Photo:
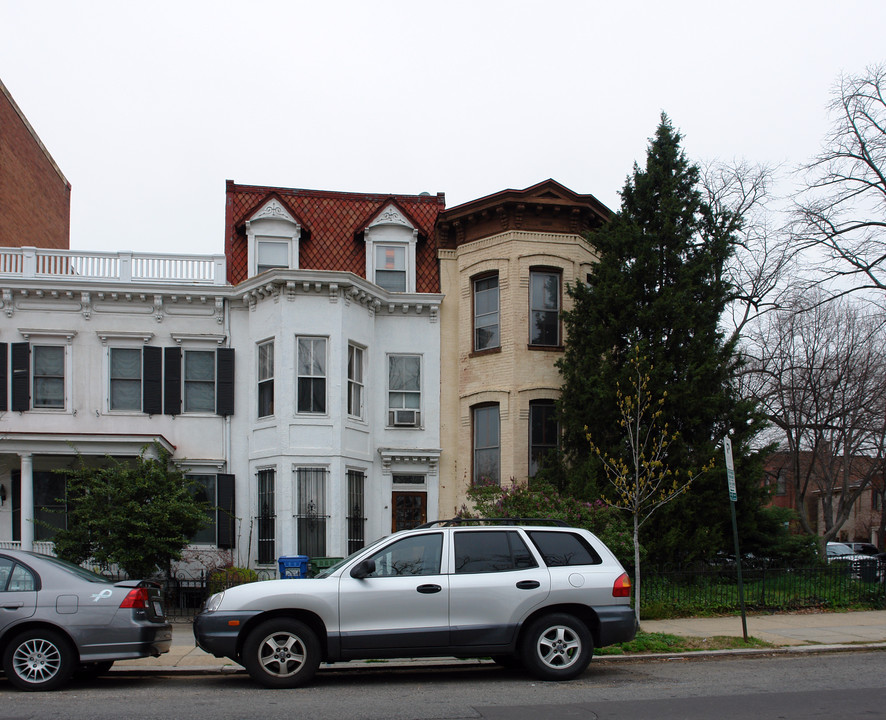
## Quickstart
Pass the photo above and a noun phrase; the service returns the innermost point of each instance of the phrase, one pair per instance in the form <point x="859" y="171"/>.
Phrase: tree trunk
<point x="636" y="568"/>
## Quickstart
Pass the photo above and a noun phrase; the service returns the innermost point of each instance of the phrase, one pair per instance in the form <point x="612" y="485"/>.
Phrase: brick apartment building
<point x="35" y="197"/>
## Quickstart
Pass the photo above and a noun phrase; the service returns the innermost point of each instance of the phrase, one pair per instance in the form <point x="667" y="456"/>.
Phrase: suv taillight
<point x="622" y="586"/>
<point x="136" y="599"/>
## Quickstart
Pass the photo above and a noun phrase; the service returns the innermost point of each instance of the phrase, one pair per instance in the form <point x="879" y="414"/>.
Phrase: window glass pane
<point x="267" y="518"/>
<point x="390" y="267"/>
<point x="355" y="381"/>
<point x="405" y="372"/>
<point x="312" y="516"/>
<point x="417" y="555"/>
<point x="543" y="432"/>
<point x="49" y="392"/>
<point x="486" y="445"/>
<point x="272" y="254"/>
<point x="544" y="305"/>
<point x="545" y="291"/>
<point x="126" y="384"/>
<point x="49" y="376"/>
<point x="266" y="379"/>
<point x="199" y="365"/>
<point x="266" y="361"/>
<point x="204" y="491"/>
<point x="21" y="580"/>
<point x="491" y="551"/>
<point x="560" y="549"/>
<point x="390" y="257"/>
<point x="404" y="382"/>
<point x="486" y="328"/>
<point x="311" y="356"/>
<point x="199" y="381"/>
<point x="49" y="360"/>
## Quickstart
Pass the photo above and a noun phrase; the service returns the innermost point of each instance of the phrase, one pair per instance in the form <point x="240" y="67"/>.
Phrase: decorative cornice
<point x="198" y="337"/>
<point x="28" y="333"/>
<point x="429" y="459"/>
<point x="104" y="335"/>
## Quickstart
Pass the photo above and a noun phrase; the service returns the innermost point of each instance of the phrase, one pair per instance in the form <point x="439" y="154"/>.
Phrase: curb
<point x="232" y="668"/>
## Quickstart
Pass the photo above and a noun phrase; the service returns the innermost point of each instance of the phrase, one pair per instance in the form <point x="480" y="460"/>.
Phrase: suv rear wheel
<point x="282" y="653"/>
<point x="557" y="647"/>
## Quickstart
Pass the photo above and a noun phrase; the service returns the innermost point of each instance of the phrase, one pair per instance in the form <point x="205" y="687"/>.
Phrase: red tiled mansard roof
<point x="332" y="228"/>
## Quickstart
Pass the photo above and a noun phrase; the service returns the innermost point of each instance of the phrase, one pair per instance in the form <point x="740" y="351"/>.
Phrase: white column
<point x="27" y="501"/>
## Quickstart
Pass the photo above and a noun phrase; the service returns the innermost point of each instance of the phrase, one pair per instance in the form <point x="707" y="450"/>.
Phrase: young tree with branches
<point x="640" y="476"/>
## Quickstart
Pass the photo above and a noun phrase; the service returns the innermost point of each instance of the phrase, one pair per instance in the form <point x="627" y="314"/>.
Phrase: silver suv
<point x="541" y="595"/>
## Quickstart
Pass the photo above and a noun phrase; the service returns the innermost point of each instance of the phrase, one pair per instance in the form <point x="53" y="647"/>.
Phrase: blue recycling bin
<point x="293" y="566"/>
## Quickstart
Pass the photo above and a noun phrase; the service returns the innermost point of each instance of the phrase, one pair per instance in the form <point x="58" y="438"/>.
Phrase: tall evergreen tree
<point x="659" y="289"/>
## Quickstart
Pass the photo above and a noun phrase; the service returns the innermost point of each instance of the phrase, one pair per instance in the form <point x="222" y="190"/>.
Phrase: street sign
<point x="730" y="469"/>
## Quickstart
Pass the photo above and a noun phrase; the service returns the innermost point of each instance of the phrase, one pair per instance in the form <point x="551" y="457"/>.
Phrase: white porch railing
<point x="123" y="267"/>
<point x="42" y="547"/>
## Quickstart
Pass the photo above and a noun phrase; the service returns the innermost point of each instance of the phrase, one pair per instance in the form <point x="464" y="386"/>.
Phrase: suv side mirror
<point x="363" y="569"/>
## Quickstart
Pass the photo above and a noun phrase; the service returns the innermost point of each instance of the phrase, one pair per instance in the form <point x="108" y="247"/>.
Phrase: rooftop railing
<point x="122" y="267"/>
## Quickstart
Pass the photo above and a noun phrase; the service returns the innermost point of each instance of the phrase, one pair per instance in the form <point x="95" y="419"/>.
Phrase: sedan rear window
<point x="561" y="548"/>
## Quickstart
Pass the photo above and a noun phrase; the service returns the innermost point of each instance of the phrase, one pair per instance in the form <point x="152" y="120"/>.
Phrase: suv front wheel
<point x="282" y="653"/>
<point x="557" y="647"/>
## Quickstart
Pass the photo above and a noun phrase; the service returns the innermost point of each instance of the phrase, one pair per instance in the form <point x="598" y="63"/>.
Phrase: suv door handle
<point x="528" y="584"/>
<point x="13" y="606"/>
<point x="429" y="589"/>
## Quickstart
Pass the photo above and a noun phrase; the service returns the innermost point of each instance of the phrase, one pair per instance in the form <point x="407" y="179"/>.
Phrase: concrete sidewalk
<point x="789" y="631"/>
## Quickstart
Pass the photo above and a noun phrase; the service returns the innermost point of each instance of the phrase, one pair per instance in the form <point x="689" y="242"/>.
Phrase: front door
<point x="410" y="510"/>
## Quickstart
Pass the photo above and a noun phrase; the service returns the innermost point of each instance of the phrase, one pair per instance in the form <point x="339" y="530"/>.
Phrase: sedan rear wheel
<point x="39" y="660"/>
<point x="282" y="653"/>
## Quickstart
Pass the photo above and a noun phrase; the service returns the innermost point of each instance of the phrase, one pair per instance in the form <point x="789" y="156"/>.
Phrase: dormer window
<point x="273" y="235"/>
<point x="390" y="251"/>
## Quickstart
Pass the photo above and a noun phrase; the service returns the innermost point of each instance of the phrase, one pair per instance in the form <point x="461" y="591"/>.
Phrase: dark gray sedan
<point x="57" y="619"/>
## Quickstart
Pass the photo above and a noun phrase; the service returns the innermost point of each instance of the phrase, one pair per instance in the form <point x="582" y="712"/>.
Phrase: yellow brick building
<point x="505" y="262"/>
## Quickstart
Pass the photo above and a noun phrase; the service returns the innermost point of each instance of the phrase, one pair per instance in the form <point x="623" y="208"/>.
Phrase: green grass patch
<point x="657" y="643"/>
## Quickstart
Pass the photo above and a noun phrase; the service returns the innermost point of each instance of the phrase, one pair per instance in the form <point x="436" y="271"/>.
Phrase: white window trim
<point x="361" y="414"/>
<point x="421" y="391"/>
<point x="391" y="228"/>
<point x="258" y="379"/>
<point x="64" y="339"/>
<point x="310" y="413"/>
<point x="272" y="222"/>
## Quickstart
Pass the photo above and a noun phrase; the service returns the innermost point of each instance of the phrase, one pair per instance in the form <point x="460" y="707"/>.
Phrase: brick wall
<point x="35" y="198"/>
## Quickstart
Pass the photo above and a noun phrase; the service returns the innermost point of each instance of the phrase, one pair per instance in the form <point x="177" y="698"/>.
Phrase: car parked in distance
<point x="864" y="548"/>
<point x="522" y="592"/>
<point x="57" y="619"/>
<point x="863" y="567"/>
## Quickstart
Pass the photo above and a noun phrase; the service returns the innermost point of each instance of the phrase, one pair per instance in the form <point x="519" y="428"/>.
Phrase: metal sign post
<point x="733" y="497"/>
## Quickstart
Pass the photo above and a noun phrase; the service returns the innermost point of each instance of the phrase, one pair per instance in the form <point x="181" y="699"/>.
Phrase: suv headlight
<point x="213" y="602"/>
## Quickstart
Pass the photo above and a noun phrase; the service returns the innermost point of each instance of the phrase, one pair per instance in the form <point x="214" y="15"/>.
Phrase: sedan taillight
<point x="622" y="586"/>
<point x="136" y="599"/>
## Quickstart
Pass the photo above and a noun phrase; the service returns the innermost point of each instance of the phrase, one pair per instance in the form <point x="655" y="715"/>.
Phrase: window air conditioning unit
<point x="405" y="418"/>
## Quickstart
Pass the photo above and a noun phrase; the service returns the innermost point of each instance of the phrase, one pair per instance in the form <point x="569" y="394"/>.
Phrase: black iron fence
<point x="675" y="593"/>
<point x="665" y="593"/>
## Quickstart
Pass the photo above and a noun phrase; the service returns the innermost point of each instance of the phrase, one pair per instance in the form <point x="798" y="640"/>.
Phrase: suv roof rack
<point x="495" y="521"/>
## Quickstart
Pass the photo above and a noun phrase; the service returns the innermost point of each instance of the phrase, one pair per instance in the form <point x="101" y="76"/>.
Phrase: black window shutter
<point x="21" y="377"/>
<point x="152" y="380"/>
<point x="4" y="376"/>
<point x="172" y="385"/>
<point x="224" y="519"/>
<point x="224" y="381"/>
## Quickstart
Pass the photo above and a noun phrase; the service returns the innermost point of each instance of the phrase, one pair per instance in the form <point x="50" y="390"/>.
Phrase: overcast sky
<point x="149" y="107"/>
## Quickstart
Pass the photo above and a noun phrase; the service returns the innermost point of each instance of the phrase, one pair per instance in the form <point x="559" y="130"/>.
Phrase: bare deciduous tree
<point x="760" y="267"/>
<point x="819" y="373"/>
<point x="841" y="212"/>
